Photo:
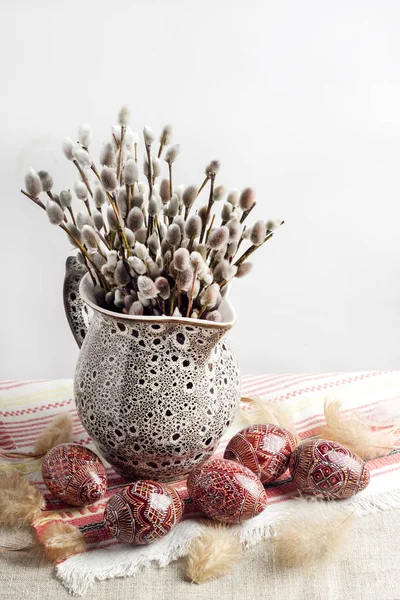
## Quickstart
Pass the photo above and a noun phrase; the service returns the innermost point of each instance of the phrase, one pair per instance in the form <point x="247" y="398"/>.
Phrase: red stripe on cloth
<point x="266" y="387"/>
<point x="27" y="411"/>
<point x="41" y="419"/>
<point x="20" y="384"/>
<point x="306" y="390"/>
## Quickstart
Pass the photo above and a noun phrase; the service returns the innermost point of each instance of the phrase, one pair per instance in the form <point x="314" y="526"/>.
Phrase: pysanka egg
<point x="328" y="469"/>
<point x="74" y="474"/>
<point x="264" y="449"/>
<point x="143" y="512"/>
<point x="226" y="491"/>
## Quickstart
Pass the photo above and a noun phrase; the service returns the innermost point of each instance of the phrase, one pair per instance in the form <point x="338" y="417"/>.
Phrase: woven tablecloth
<point x="26" y="408"/>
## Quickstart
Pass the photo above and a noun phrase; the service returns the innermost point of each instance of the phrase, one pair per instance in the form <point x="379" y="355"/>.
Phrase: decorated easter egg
<point x="226" y="491"/>
<point x="74" y="474"/>
<point x="328" y="469"/>
<point x="143" y="512"/>
<point x="264" y="449"/>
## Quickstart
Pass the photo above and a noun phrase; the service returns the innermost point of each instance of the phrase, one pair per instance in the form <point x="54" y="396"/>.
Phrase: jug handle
<point x="75" y="309"/>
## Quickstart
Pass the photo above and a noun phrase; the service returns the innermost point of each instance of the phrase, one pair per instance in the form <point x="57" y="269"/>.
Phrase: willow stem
<point x="149" y="173"/>
<point x="209" y="206"/>
<point x="128" y="199"/>
<point x="51" y="196"/>
<point x="89" y="271"/>
<point x="249" y="252"/>
<point x="116" y="141"/>
<point x="84" y="178"/>
<point x="190" y="303"/>
<point x="149" y="227"/>
<point x="172" y="304"/>
<point x="120" y="152"/>
<point x="170" y="178"/>
<point x="203" y="185"/>
<point x="95" y="171"/>
<point x="85" y="254"/>
<point x="121" y="232"/>
<point x="210" y="228"/>
<point x="88" y="207"/>
<point x="71" y="212"/>
<point x="103" y="239"/>
<point x="246" y="213"/>
<point x="135" y="151"/>
<point x="35" y="200"/>
<point x="202" y="310"/>
<point x="162" y="144"/>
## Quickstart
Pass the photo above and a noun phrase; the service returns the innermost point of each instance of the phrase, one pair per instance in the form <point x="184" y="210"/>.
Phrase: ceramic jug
<point x="154" y="393"/>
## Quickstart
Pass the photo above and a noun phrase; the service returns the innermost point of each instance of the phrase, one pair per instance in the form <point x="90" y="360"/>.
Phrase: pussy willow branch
<point x="249" y="252"/>
<point x="35" y="200"/>
<point x="170" y="178"/>
<point x="121" y="232"/>
<point x="162" y="144"/>
<point x="71" y="212"/>
<point x="203" y="185"/>
<point x="115" y="208"/>
<point x="121" y="147"/>
<point x="84" y="179"/>
<point x="150" y="180"/>
<point x="209" y="207"/>
<point x="246" y="213"/>
<point x="210" y="228"/>
<point x="50" y="195"/>
<point x="150" y="170"/>
<point x="190" y="300"/>
<point x="73" y="238"/>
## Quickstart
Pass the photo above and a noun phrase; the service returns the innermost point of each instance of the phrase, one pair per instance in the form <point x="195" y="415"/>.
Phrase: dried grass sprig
<point x="268" y="411"/>
<point x="60" y="540"/>
<point x="315" y="532"/>
<point x="20" y="501"/>
<point x="213" y="554"/>
<point x="58" y="432"/>
<point x="351" y="431"/>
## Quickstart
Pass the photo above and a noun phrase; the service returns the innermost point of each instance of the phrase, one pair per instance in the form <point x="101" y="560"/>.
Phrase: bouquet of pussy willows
<point x="151" y="247"/>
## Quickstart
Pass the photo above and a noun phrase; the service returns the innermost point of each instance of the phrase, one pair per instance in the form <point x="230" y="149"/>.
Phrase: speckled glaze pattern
<point x="155" y="395"/>
<point x="75" y="309"/>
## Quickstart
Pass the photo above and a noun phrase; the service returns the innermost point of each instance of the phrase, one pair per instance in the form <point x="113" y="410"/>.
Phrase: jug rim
<point x="225" y="307"/>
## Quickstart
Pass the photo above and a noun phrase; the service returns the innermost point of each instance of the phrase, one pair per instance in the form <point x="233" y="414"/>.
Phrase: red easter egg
<point x="143" y="512"/>
<point x="328" y="469"/>
<point x="74" y="474"/>
<point x="264" y="449"/>
<point x="227" y="491"/>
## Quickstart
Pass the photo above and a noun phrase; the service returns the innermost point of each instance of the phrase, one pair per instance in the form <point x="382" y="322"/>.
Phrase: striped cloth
<point x="27" y="408"/>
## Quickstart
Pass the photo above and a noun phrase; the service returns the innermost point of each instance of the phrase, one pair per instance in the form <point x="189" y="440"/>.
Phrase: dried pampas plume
<point x="213" y="554"/>
<point x="58" y="432"/>
<point x="61" y="540"/>
<point x="353" y="433"/>
<point x="20" y="501"/>
<point x="315" y="532"/>
<point x="264" y="411"/>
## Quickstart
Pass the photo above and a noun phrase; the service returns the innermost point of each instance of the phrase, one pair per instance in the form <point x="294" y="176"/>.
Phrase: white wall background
<point x="299" y="99"/>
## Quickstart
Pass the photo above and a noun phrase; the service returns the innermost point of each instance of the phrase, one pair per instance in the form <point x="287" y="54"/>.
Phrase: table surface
<point x="367" y="569"/>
